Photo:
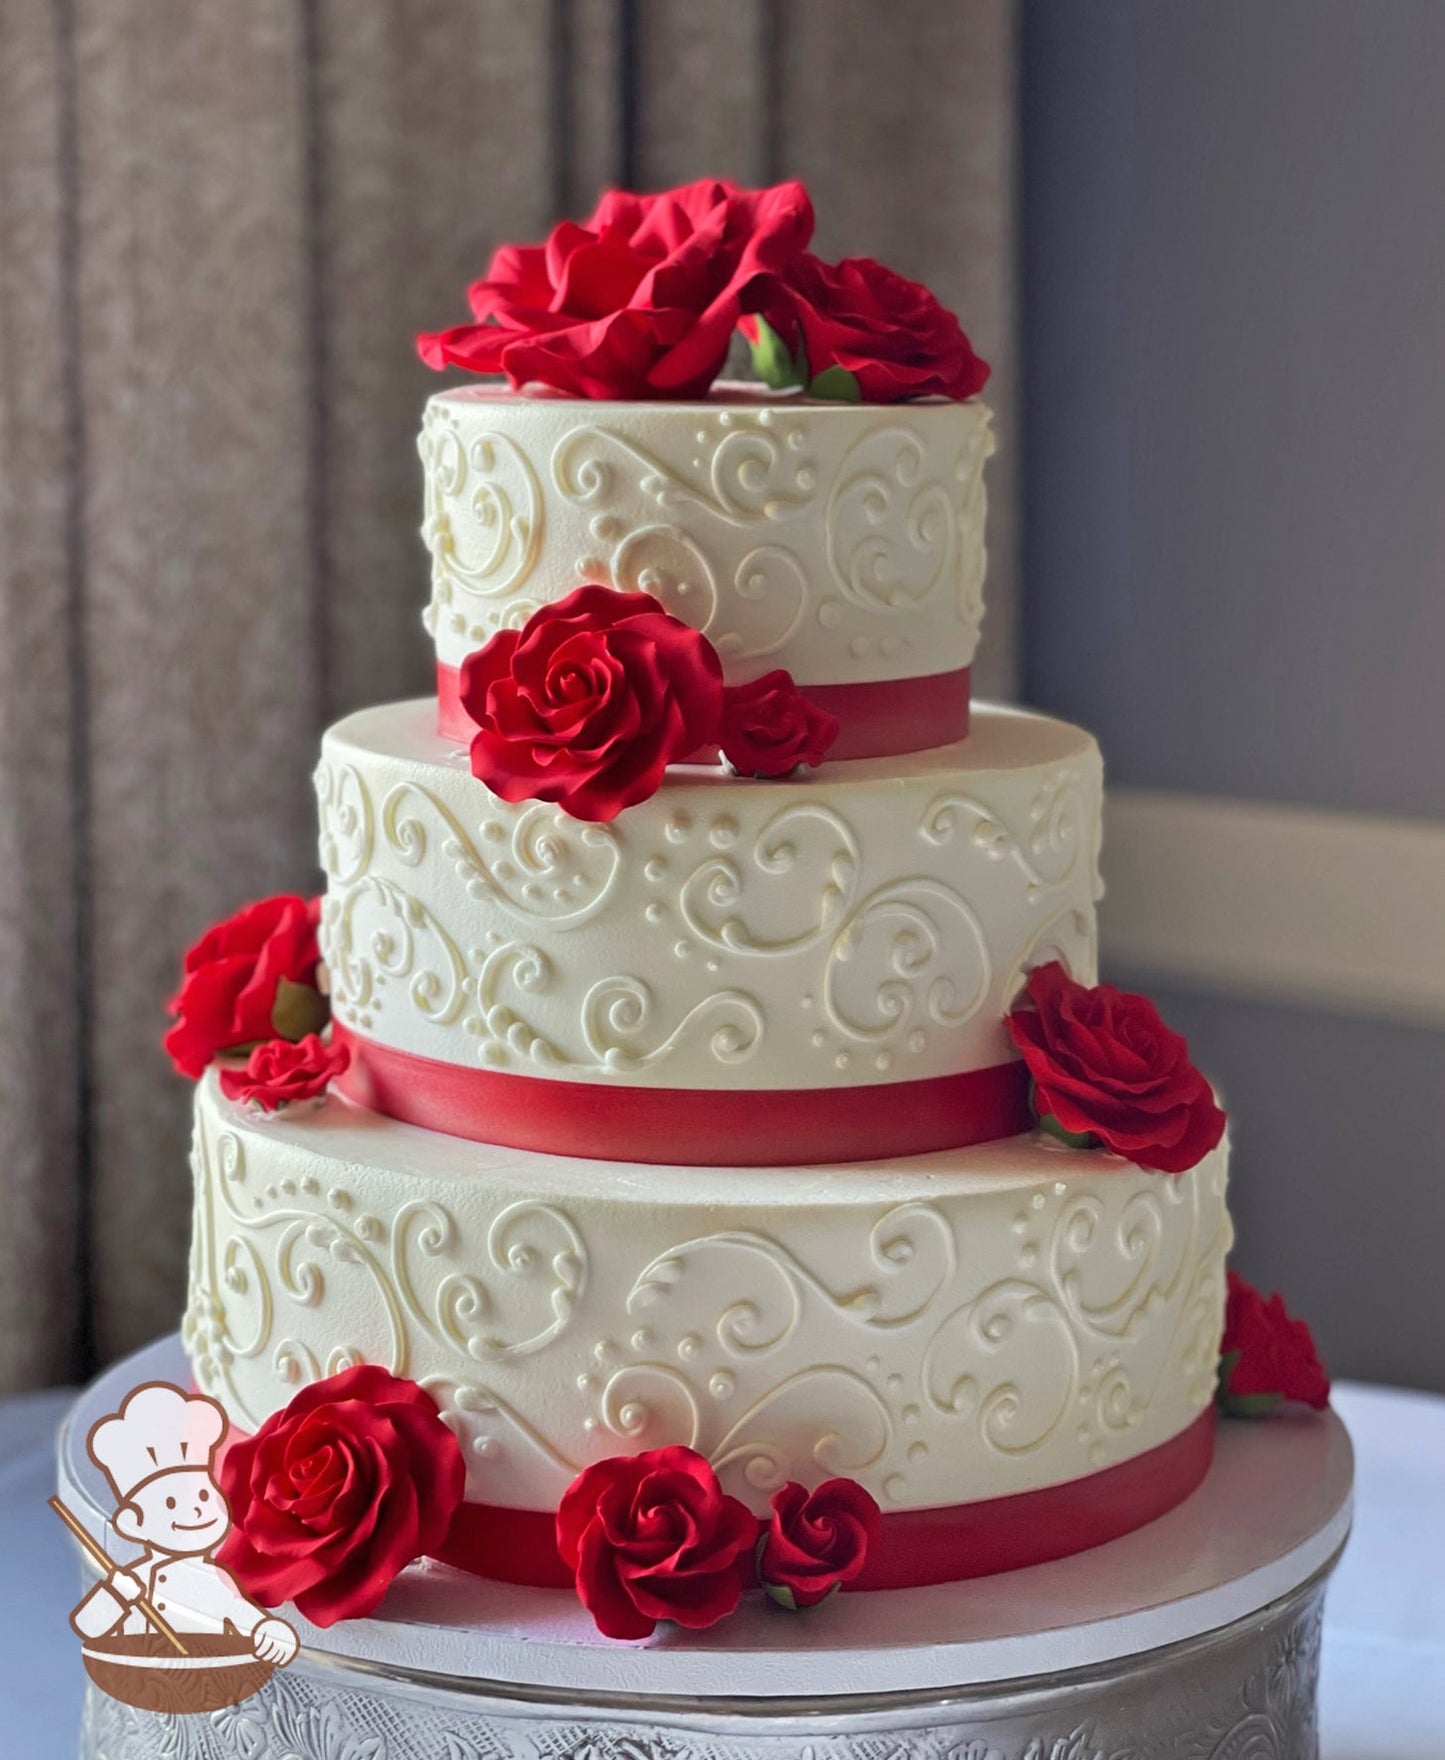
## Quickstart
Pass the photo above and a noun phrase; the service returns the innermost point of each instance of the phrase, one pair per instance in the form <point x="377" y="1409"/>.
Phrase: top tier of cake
<point x="844" y="543"/>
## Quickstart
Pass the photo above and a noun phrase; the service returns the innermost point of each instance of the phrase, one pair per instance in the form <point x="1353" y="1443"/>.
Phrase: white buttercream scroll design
<point x="796" y="878"/>
<point x="543" y="867"/>
<point x="618" y="1023"/>
<point x="1007" y="1363"/>
<point x="893" y="530"/>
<point x="347" y="819"/>
<point x="829" y="1412"/>
<point x="375" y="935"/>
<point x="531" y="1245"/>
<point x="490" y="552"/>
<point x="1046" y="852"/>
<point x="1117" y="1256"/>
<point x="971" y="500"/>
<point x="911" y="949"/>
<point x="911" y="1257"/>
<point x="748" y="470"/>
<point x="421" y="1280"/>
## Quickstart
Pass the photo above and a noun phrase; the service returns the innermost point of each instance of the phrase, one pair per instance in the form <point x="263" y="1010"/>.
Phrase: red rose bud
<point x="1265" y="1356"/>
<point x="589" y="702"/>
<point x="279" y="1072"/>
<point x="654" y="1536"/>
<point x="334" y="1496"/>
<point x="769" y="727"/>
<point x="639" y="301"/>
<point x="248" y="979"/>
<point x="817" y="1541"/>
<point x="859" y="330"/>
<point x="1105" y="1065"/>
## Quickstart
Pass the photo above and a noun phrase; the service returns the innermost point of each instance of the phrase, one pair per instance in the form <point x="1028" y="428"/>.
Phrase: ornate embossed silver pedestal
<point x="1197" y="1637"/>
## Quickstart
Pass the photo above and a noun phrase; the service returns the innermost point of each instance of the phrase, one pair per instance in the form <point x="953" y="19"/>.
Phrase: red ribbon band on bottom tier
<point x="914" y="1547"/>
<point x="688" y="1127"/>
<point x="882" y="718"/>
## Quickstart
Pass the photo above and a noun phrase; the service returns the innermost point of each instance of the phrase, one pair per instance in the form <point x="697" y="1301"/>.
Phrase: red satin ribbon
<point x="688" y="1127"/>
<point x="914" y="1547"/>
<point x="879" y="719"/>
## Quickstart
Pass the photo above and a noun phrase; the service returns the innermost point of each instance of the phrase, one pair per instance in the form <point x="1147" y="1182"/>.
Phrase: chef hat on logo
<point x="157" y="1429"/>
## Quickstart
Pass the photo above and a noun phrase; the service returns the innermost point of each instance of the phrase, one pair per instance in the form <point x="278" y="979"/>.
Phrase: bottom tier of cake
<point x="948" y="1330"/>
<point x="1199" y="1637"/>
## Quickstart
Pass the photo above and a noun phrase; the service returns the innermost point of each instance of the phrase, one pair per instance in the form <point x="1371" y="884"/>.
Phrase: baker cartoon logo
<point x="170" y="1630"/>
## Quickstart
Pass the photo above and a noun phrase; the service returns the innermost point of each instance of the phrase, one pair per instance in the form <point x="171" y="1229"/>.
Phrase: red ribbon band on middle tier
<point x="914" y="1547"/>
<point x="688" y="1127"/>
<point x="881" y="718"/>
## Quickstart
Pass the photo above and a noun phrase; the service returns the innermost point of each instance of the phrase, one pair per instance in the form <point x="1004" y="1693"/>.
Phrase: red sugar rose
<point x="639" y="301"/>
<point x="1104" y="1065"/>
<point x="590" y="701"/>
<point x="654" y="1536"/>
<point x="279" y="1072"/>
<point x="250" y="978"/>
<point x="1266" y="1356"/>
<point x="889" y="334"/>
<point x="356" y="1479"/>
<point x="769" y="727"/>
<point x="816" y="1541"/>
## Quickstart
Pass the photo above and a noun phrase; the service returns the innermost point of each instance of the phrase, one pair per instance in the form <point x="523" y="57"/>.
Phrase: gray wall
<point x="1234" y="329"/>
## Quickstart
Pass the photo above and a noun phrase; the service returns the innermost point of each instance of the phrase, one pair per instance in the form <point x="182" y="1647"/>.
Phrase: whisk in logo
<point x="169" y="1630"/>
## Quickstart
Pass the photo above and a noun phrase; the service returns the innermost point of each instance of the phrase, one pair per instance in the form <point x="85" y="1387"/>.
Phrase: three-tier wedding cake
<point x="720" y="1138"/>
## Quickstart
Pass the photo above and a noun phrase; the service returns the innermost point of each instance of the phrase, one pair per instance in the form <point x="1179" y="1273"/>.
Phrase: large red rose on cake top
<point x="654" y="1536"/>
<point x="250" y="978"/>
<point x="1266" y="1355"/>
<point x="858" y="330"/>
<point x="639" y="301"/>
<point x="332" y="1497"/>
<point x="590" y="701"/>
<point x="1105" y="1066"/>
<point x="816" y="1541"/>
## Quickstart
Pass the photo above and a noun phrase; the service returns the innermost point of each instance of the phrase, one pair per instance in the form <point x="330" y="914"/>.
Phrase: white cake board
<point x="1271" y="1516"/>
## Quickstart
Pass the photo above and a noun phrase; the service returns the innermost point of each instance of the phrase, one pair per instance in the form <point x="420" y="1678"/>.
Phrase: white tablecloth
<point x="1383" y="1694"/>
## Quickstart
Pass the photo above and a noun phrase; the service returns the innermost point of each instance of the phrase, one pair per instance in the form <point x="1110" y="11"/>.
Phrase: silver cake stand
<point x="1196" y="1637"/>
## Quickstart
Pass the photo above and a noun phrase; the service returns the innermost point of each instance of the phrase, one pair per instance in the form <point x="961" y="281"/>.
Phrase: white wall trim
<point x="1280" y="903"/>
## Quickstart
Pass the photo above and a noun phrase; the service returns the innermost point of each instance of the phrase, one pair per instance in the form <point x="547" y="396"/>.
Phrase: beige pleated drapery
<point x="219" y="227"/>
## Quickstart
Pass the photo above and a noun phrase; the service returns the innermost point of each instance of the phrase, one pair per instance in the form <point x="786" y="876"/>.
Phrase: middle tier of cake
<point x="946" y="1329"/>
<point x="733" y="971"/>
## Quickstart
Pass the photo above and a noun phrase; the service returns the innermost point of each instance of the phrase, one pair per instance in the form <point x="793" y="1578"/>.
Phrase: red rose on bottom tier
<point x="817" y="1541"/>
<point x="1266" y="1356"/>
<point x="356" y="1479"/>
<point x="654" y="1536"/>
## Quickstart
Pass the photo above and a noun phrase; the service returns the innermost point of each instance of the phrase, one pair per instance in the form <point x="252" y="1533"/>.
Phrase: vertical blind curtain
<point x="219" y="228"/>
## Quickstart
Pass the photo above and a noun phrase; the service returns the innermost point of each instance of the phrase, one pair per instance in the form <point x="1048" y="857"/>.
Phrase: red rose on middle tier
<point x="654" y="1536"/>
<point x="589" y="702"/>
<point x="769" y="727"/>
<point x="1104" y="1065"/>
<point x="249" y="978"/>
<point x="639" y="301"/>
<point x="279" y="1072"/>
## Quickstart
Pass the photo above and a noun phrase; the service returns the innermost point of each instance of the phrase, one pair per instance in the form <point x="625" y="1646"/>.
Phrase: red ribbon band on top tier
<point x="688" y="1127"/>
<point x="881" y="719"/>
<point x="914" y="1547"/>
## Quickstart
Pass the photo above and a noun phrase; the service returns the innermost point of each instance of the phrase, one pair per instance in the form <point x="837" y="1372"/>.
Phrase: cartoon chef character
<point x="156" y="1451"/>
